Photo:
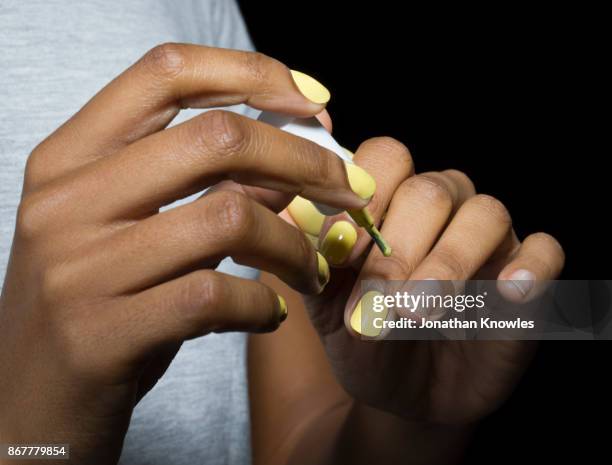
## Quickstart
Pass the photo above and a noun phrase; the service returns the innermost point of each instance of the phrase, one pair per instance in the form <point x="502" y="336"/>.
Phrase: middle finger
<point x="199" y="235"/>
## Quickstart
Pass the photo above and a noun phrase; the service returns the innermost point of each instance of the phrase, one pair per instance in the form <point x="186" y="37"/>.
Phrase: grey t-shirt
<point x="54" y="56"/>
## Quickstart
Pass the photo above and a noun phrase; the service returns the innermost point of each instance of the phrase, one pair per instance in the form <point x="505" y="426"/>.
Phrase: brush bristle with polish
<point x="379" y="240"/>
<point x="364" y="219"/>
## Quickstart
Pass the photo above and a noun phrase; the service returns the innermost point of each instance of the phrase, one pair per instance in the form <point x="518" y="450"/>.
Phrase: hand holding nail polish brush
<point x="313" y="130"/>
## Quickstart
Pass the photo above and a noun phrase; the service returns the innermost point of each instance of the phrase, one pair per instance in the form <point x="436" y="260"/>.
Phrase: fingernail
<point x="314" y="240"/>
<point x="306" y="216"/>
<point x="361" y="182"/>
<point x="429" y="287"/>
<point x="323" y="270"/>
<point x="310" y="88"/>
<point x="338" y="242"/>
<point x="282" y="309"/>
<point x="522" y="280"/>
<point x="368" y="315"/>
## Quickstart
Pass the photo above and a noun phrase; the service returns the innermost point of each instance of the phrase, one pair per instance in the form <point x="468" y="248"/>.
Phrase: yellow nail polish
<point x="361" y="182"/>
<point x="369" y="314"/>
<point x="314" y="240"/>
<point x="306" y="216"/>
<point x="312" y="89"/>
<point x="283" y="312"/>
<point x="323" y="270"/>
<point x="338" y="242"/>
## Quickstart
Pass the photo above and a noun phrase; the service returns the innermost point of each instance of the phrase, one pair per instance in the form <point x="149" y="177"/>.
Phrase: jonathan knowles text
<point x="431" y="312"/>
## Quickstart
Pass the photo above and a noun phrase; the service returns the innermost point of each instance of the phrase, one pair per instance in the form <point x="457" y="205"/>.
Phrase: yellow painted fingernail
<point x="323" y="270"/>
<point x="283" y="312"/>
<point x="310" y="88"/>
<point x="369" y="314"/>
<point x="361" y="182"/>
<point x="306" y="216"/>
<point x="338" y="242"/>
<point x="314" y="240"/>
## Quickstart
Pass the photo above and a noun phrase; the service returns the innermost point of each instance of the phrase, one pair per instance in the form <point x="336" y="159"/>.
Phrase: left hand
<point x="438" y="228"/>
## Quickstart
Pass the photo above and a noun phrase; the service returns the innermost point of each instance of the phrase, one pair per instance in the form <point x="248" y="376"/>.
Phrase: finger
<point x="418" y="213"/>
<point x="325" y="120"/>
<point x="170" y="77"/>
<point x="274" y="200"/>
<point x="458" y="184"/>
<point x="389" y="163"/>
<point x="480" y="226"/>
<point x="202" y="233"/>
<point x="271" y="199"/>
<point x="189" y="157"/>
<point x="304" y="215"/>
<point x="540" y="258"/>
<point x="420" y="209"/>
<point x="190" y="306"/>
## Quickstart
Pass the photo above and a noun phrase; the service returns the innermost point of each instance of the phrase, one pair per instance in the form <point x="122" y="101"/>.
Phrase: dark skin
<point x="304" y="415"/>
<point x="361" y="401"/>
<point x="102" y="288"/>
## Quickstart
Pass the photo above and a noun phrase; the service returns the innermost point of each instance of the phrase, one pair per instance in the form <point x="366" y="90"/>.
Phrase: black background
<point x="511" y="96"/>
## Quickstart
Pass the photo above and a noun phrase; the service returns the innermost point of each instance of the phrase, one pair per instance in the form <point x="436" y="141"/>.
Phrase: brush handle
<point x="313" y="130"/>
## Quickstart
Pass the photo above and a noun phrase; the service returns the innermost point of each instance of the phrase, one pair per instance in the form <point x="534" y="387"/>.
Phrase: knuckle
<point x="221" y="133"/>
<point x="41" y="211"/>
<point x="32" y="217"/>
<point x="390" y="268"/>
<point x="386" y="145"/>
<point x="494" y="208"/>
<point x="257" y="67"/>
<point x="390" y="149"/>
<point x="233" y="215"/>
<point x="54" y="285"/>
<point x="431" y="189"/>
<point x="546" y="240"/>
<point x="462" y="178"/>
<point x="165" y="60"/>
<point x="448" y="265"/>
<point x="208" y="289"/>
<point x="75" y="339"/>
<point x="203" y="293"/>
<point x="36" y="165"/>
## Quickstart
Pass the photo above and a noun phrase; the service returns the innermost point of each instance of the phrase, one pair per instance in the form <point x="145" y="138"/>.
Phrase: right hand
<point x="102" y="288"/>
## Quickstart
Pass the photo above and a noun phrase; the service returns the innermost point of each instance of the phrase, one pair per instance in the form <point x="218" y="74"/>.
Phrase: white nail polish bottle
<point x="313" y="130"/>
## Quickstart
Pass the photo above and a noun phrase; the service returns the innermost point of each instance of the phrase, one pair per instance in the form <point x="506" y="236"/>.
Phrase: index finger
<point x="189" y="157"/>
<point x="148" y="95"/>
